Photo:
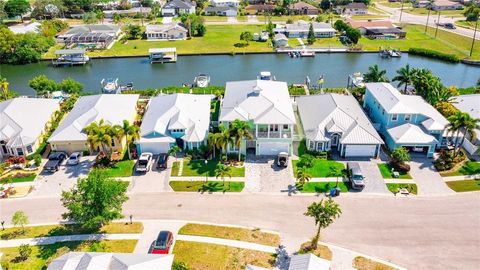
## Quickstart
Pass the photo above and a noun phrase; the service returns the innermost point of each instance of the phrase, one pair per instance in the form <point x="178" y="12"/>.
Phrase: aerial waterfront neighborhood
<point x="239" y="134"/>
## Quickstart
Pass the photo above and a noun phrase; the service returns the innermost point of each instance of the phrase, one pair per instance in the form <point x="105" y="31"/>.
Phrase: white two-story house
<point x="266" y="107"/>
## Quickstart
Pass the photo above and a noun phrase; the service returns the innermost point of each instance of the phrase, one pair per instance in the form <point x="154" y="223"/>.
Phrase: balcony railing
<point x="274" y="134"/>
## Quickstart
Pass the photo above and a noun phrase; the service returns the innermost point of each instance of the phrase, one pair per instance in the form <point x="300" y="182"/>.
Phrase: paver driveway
<point x="152" y="181"/>
<point x="374" y="182"/>
<point x="52" y="184"/>
<point x="262" y="175"/>
<point x="428" y="180"/>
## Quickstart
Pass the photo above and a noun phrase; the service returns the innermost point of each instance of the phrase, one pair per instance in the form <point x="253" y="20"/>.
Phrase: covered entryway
<point x="273" y="148"/>
<point x="360" y="150"/>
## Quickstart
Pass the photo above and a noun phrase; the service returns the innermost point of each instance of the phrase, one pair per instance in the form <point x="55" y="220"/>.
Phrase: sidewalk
<point x="227" y="242"/>
<point x="67" y="238"/>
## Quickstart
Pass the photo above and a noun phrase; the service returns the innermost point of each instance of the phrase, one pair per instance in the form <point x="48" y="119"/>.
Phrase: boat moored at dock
<point x="70" y="57"/>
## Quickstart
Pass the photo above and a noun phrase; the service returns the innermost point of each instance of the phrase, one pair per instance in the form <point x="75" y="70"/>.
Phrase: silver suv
<point x="355" y="175"/>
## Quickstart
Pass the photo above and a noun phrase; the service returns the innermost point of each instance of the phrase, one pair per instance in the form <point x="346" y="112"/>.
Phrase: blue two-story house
<point x="404" y="120"/>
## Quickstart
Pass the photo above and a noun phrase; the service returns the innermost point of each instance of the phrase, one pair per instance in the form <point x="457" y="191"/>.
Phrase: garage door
<point x="273" y="148"/>
<point x="155" y="148"/>
<point x="360" y="150"/>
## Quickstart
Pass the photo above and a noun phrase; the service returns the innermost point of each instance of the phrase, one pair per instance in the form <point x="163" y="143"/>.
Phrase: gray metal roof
<point x="468" y="104"/>
<point x="410" y="134"/>
<point x="308" y="262"/>
<point x="159" y="28"/>
<point x="93" y="28"/>
<point x="323" y="115"/>
<point x="70" y="51"/>
<point x="178" y="4"/>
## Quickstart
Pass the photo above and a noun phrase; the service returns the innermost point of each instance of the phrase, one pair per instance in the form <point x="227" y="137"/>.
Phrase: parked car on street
<point x="162" y="162"/>
<point x="282" y="160"/>
<point x="54" y="161"/>
<point x="163" y="243"/>
<point x="74" y="159"/>
<point x="355" y="175"/>
<point x="143" y="162"/>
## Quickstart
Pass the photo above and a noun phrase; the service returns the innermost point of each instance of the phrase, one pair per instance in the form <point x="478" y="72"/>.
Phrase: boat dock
<point x="70" y="57"/>
<point x="162" y="55"/>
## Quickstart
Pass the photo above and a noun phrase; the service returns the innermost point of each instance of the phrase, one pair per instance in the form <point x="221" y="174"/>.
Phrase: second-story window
<point x="285" y="127"/>
<point x="394" y="117"/>
<point x="408" y="117"/>
<point x="273" y="127"/>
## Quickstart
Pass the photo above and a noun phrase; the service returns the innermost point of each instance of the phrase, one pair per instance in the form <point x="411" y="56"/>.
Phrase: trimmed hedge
<point x="434" y="54"/>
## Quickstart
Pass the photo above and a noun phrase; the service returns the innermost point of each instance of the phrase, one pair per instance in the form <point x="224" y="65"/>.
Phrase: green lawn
<point x="203" y="256"/>
<point x="445" y="42"/>
<point x="464" y="185"/>
<point x="68" y="229"/>
<point x="386" y="171"/>
<point x="41" y="256"/>
<point x="322" y="187"/>
<point x="469" y="90"/>
<point x="469" y="168"/>
<point x="233" y="233"/>
<point x="198" y="168"/>
<point x="465" y="24"/>
<point x="21" y="178"/>
<point x="121" y="169"/>
<point x="332" y="42"/>
<point x="215" y="18"/>
<point x="210" y="186"/>
<point x="321" y="168"/>
<point x="424" y="11"/>
<point x="393" y="187"/>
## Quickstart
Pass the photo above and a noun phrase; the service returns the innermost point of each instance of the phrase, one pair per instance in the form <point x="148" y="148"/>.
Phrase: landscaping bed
<point x="469" y="168"/>
<point x="394" y="187"/>
<point x="68" y="229"/>
<point x="233" y="233"/>
<point x="322" y="251"/>
<point x="19" y="177"/>
<point x="386" y="171"/>
<point x="322" y="187"/>
<point x="42" y="256"/>
<point x="203" y="256"/>
<point x="320" y="168"/>
<point x="362" y="263"/>
<point x="464" y="185"/>
<point x="210" y="186"/>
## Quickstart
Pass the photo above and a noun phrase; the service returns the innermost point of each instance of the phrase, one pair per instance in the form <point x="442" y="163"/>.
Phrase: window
<point x="112" y="142"/>
<point x="312" y="145"/>
<point x="285" y="127"/>
<point x="273" y="127"/>
<point x="408" y="117"/>
<point x="319" y="146"/>
<point x="29" y="149"/>
<point x="20" y="151"/>
<point x="394" y="117"/>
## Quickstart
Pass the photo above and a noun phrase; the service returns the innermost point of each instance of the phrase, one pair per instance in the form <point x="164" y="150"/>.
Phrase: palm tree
<point x="223" y="138"/>
<point x="464" y="123"/>
<point x="324" y="213"/>
<point x="240" y="130"/>
<point x="212" y="141"/>
<point x="223" y="171"/>
<point x="131" y="133"/>
<point x="303" y="176"/>
<point x="404" y="76"/>
<point x="174" y="150"/>
<point x="100" y="135"/>
<point x="374" y="74"/>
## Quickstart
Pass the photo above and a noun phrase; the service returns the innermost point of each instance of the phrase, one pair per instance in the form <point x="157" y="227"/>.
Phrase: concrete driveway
<point x="428" y="180"/>
<point x="262" y="175"/>
<point x="374" y="182"/>
<point x="52" y="184"/>
<point x="151" y="228"/>
<point x="153" y="181"/>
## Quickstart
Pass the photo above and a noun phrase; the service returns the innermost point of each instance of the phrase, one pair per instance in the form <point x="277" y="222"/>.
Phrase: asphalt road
<point x="418" y="233"/>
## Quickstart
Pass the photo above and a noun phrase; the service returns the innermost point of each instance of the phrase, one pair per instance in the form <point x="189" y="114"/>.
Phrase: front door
<point x="335" y="140"/>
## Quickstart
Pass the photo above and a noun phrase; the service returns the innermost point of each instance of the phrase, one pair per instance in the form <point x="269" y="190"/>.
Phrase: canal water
<point x="335" y="67"/>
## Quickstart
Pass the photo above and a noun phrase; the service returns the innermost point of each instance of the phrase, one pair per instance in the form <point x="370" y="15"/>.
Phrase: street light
<point x="474" y="35"/>
<point x="428" y="17"/>
<point x="438" y="23"/>
<point x="206" y="172"/>
<point x="401" y="12"/>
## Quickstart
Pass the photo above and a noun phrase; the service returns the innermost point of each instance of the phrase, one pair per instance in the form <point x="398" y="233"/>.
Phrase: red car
<point x="163" y="243"/>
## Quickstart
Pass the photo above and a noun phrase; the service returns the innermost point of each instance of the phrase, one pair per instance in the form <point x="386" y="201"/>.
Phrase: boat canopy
<point x="70" y="51"/>
<point x="162" y="50"/>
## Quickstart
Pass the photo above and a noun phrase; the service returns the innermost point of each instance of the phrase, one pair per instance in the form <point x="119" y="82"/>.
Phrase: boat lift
<point x="163" y="55"/>
<point x="70" y="57"/>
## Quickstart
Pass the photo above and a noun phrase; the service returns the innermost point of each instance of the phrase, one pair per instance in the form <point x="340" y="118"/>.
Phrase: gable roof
<point x="160" y="28"/>
<point x="323" y="115"/>
<point x="22" y="120"/>
<point x="220" y="8"/>
<point x="178" y="4"/>
<point x="178" y="111"/>
<point x="111" y="261"/>
<point x="113" y="109"/>
<point x="372" y="23"/>
<point x="468" y="104"/>
<point x="263" y="102"/>
<point x="410" y="134"/>
<point x="301" y="5"/>
<point x="308" y="262"/>
<point x="93" y="28"/>
<point x="356" y="5"/>
<point x="395" y="103"/>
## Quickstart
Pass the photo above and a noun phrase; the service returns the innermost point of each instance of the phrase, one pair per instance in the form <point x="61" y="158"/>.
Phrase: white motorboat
<point x="202" y="80"/>
<point x="266" y="76"/>
<point x="110" y="86"/>
<point x="395" y="53"/>
<point x="356" y="80"/>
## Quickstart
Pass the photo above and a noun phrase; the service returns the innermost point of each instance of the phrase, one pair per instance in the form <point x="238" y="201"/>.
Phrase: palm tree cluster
<point x="233" y="135"/>
<point x="374" y="74"/>
<point x="100" y="135"/>
<point x="462" y="125"/>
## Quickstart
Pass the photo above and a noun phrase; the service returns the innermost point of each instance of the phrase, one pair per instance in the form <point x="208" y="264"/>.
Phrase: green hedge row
<point x="434" y="54"/>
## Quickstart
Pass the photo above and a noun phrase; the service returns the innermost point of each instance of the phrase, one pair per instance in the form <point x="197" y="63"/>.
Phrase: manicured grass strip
<point x="321" y="168"/>
<point x="322" y="187"/>
<point x="42" y="256"/>
<point x="362" y="263"/>
<point x="469" y="168"/>
<point x="175" y="168"/>
<point x="386" y="171"/>
<point x="121" y="169"/>
<point x="198" y="168"/>
<point x="211" y="256"/>
<point x="68" y="229"/>
<point x="464" y="185"/>
<point x="239" y="234"/>
<point x="27" y="178"/>
<point x="394" y="187"/>
<point x="210" y="186"/>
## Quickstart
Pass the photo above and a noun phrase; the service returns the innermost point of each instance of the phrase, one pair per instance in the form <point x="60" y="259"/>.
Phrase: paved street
<point x="415" y="232"/>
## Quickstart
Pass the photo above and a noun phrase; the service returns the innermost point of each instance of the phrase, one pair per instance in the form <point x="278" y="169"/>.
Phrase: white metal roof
<point x="264" y="102"/>
<point x="33" y="27"/>
<point x="410" y="134"/>
<point x="70" y="51"/>
<point x="308" y="262"/>
<point x="323" y="115"/>
<point x="468" y="104"/>
<point x="176" y="111"/>
<point x="395" y="103"/>
<point x="22" y="120"/>
<point x="111" y="261"/>
<point x="162" y="50"/>
<point x="112" y="109"/>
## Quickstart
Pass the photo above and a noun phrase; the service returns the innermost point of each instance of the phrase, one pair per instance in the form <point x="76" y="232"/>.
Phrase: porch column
<point x="291" y="131"/>
<point x="256" y="131"/>
<point x="280" y="128"/>
<point x="268" y="131"/>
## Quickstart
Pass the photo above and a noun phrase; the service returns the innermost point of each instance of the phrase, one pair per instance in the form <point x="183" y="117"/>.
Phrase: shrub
<point x="434" y="54"/>
<point x="306" y="160"/>
<point x="447" y="160"/>
<point x="16" y="160"/>
<point x="24" y="251"/>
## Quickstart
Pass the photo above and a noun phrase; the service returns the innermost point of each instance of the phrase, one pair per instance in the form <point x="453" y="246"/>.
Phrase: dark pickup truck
<point x="54" y="161"/>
